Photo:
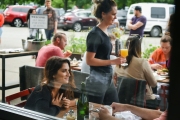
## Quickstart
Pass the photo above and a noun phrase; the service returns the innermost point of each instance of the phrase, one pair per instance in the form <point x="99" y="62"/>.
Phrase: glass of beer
<point x="124" y="51"/>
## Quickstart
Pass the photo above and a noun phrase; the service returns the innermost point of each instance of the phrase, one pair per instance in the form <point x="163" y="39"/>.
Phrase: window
<point x="82" y="14"/>
<point x="16" y="9"/>
<point x="24" y="10"/>
<point x="158" y="12"/>
<point x="171" y="10"/>
<point x="131" y="10"/>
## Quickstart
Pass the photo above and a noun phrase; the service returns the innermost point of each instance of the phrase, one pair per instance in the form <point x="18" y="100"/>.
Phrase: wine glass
<point x="124" y="51"/>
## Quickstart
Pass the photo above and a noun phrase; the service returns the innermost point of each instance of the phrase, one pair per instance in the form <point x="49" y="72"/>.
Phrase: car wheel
<point x="17" y="22"/>
<point x="65" y="29"/>
<point x="77" y="27"/>
<point x="155" y="32"/>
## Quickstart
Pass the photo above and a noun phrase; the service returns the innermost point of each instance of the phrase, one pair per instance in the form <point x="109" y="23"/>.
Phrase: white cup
<point x="109" y="108"/>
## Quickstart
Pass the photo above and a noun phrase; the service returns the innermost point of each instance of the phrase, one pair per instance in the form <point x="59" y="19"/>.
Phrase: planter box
<point x="30" y="45"/>
<point x="76" y="55"/>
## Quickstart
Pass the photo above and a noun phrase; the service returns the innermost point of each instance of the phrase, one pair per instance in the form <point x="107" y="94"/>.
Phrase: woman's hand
<point x="57" y="100"/>
<point x="156" y="66"/>
<point x="118" y="61"/>
<point x="66" y="102"/>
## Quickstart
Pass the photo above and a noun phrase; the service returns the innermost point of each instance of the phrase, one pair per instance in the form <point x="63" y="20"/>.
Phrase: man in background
<point x="55" y="49"/>
<point x="137" y="23"/>
<point x="1" y="24"/>
<point x="52" y="20"/>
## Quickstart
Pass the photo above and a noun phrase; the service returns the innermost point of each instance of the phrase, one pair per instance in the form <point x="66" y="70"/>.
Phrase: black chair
<point x="131" y="91"/>
<point x="30" y="76"/>
<point x="79" y="77"/>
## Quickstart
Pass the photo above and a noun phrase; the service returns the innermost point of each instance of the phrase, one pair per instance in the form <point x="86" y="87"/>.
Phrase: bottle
<point x="37" y="36"/>
<point x="41" y="37"/>
<point x="117" y="47"/>
<point x="83" y="104"/>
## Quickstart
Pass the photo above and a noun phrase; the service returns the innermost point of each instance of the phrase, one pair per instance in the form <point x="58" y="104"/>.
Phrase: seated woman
<point x="160" y="56"/>
<point x="47" y="97"/>
<point x="138" y="68"/>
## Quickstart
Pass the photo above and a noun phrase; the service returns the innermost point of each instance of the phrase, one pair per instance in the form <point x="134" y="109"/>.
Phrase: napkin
<point x="126" y="115"/>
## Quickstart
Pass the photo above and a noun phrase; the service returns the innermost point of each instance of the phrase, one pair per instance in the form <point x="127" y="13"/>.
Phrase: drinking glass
<point x="124" y="51"/>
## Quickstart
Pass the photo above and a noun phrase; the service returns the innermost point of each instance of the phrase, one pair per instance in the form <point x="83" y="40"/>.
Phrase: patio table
<point x="3" y="56"/>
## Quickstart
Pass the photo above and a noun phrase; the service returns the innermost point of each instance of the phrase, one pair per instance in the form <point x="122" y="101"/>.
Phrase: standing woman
<point x="99" y="84"/>
<point x="1" y="24"/>
<point x="32" y="31"/>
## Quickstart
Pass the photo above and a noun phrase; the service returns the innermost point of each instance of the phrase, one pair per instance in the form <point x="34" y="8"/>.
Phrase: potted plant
<point x="77" y="45"/>
<point x="148" y="51"/>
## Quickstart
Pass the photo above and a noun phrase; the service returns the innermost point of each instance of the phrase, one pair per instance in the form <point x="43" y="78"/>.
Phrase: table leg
<point x="3" y="79"/>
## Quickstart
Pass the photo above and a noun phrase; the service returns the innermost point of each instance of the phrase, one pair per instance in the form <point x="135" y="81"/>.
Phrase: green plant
<point x="149" y="50"/>
<point x="76" y="44"/>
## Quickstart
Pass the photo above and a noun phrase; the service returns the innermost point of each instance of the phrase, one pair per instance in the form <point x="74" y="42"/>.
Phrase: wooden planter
<point x="76" y="55"/>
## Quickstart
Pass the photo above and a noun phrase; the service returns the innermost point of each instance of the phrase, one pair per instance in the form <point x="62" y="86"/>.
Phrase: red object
<point x="46" y="52"/>
<point x="164" y="94"/>
<point x="1" y="19"/>
<point x="16" y="15"/>
<point x="19" y="95"/>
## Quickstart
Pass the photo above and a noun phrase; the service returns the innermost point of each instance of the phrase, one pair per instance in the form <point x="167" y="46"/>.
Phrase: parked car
<point x="15" y="15"/>
<point x="59" y="11"/>
<point x="78" y="20"/>
<point x="157" y="15"/>
<point x="122" y="17"/>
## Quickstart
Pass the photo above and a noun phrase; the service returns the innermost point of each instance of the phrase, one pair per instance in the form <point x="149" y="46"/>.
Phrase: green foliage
<point x="76" y="44"/>
<point x="148" y="51"/>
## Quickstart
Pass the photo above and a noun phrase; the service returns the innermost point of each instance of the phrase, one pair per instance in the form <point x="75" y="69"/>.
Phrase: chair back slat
<point x="17" y="95"/>
<point x="131" y="91"/>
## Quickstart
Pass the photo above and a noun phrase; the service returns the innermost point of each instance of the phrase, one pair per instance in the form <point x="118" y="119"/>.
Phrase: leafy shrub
<point x="148" y="51"/>
<point x="76" y="44"/>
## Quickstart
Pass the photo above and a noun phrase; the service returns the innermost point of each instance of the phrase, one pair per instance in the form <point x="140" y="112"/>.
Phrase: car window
<point x="67" y="14"/>
<point x="82" y="14"/>
<point x="132" y="10"/>
<point x="16" y="9"/>
<point x="171" y="10"/>
<point x="6" y="9"/>
<point x="24" y="10"/>
<point x="121" y="13"/>
<point x="158" y="12"/>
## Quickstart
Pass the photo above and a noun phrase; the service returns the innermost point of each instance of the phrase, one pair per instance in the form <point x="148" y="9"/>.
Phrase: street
<point x="11" y="38"/>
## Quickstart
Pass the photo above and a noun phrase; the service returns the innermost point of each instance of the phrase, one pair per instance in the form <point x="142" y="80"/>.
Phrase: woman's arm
<point x="148" y="73"/>
<point x="92" y="61"/>
<point x="144" y="113"/>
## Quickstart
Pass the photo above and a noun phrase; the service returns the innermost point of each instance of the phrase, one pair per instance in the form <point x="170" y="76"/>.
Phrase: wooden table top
<point x="63" y="111"/>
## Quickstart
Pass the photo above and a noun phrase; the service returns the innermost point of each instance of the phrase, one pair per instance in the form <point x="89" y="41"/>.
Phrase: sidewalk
<point x="12" y="71"/>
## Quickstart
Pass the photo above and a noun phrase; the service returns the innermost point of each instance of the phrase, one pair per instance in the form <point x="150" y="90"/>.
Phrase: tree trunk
<point x="65" y="4"/>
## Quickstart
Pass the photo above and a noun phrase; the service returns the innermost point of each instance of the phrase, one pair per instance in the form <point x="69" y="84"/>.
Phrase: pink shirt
<point x="163" y="116"/>
<point x="46" y="52"/>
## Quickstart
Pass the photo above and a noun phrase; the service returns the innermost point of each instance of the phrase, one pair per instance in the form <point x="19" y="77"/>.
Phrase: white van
<point x="157" y="15"/>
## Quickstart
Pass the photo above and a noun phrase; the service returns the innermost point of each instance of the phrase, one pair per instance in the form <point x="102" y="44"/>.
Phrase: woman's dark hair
<point x="52" y="66"/>
<point x="102" y="6"/>
<point x="134" y="47"/>
<point x="29" y="12"/>
<point x="166" y="38"/>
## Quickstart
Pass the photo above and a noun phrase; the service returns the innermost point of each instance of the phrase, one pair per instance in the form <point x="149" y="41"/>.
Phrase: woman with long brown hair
<point x="138" y="68"/>
<point x="47" y="97"/>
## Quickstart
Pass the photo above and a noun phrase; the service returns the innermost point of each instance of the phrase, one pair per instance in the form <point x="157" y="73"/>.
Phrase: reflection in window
<point x="158" y="12"/>
<point x="132" y="10"/>
<point x="171" y="10"/>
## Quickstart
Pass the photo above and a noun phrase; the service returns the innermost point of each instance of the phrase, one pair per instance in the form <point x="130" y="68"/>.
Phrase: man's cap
<point x="47" y="0"/>
<point x="138" y="8"/>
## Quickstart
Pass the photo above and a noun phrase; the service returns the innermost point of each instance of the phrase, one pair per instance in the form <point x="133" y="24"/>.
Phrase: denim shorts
<point x="100" y="88"/>
<point x="0" y="31"/>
